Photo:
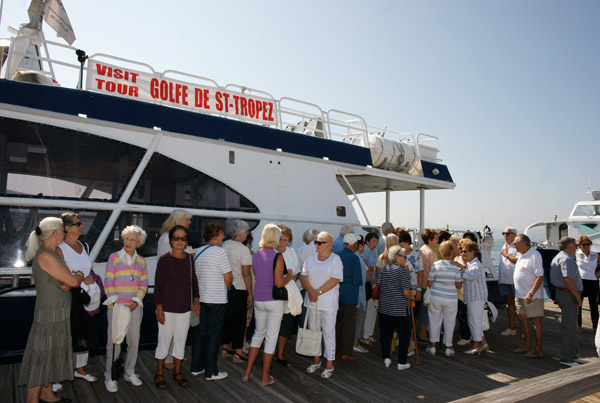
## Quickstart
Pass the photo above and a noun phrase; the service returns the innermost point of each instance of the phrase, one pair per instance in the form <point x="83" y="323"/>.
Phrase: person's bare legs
<point x="525" y="328"/>
<point x="252" y="355"/>
<point x="510" y="305"/>
<point x="266" y="378"/>
<point x="537" y="325"/>
<point x="281" y="341"/>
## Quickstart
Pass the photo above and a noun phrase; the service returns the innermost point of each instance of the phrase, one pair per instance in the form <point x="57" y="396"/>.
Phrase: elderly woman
<point x="475" y="289"/>
<point x="289" y="323"/>
<point x="395" y="297"/>
<point x="444" y="281"/>
<point x="177" y="217"/>
<point x="83" y="328"/>
<point x="269" y="270"/>
<point x="175" y="291"/>
<point x="587" y="261"/>
<point x="48" y="356"/>
<point x="240" y="259"/>
<point x="126" y="282"/>
<point x="214" y="279"/>
<point x="321" y="276"/>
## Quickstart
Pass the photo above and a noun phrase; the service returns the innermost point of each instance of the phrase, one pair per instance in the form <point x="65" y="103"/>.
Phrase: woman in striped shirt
<point x="476" y="295"/>
<point x="395" y="297"/>
<point x="126" y="282"/>
<point x="444" y="280"/>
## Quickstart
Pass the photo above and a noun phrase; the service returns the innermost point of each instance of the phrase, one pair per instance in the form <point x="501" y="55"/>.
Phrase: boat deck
<point x="434" y="379"/>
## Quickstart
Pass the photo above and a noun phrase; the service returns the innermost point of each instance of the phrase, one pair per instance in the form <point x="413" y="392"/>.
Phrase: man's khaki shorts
<point x="536" y="308"/>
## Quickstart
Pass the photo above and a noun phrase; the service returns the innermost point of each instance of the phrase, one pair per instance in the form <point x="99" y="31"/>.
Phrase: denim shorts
<point x="506" y="289"/>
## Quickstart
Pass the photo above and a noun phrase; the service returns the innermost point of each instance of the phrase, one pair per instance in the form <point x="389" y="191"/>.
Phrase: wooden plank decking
<point x="433" y="379"/>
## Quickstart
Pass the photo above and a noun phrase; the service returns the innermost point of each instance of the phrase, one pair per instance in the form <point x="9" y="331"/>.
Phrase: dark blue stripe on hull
<point x="146" y="115"/>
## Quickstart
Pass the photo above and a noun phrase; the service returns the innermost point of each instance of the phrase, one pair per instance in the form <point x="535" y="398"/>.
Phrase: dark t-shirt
<point x="172" y="286"/>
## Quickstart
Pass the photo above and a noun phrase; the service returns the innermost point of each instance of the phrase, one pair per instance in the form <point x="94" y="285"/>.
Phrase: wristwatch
<point x="320" y="292"/>
<point x="529" y="293"/>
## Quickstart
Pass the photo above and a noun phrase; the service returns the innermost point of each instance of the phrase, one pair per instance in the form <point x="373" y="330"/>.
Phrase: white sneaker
<point x="197" y="373"/>
<point x="430" y="350"/>
<point x="360" y="349"/>
<point x="570" y="364"/>
<point x="403" y="366"/>
<point x="87" y="377"/>
<point x="450" y="352"/>
<point x="111" y="385"/>
<point x="581" y="361"/>
<point x="410" y="353"/>
<point x="57" y="387"/>
<point x="387" y="362"/>
<point x="133" y="379"/>
<point x="464" y="342"/>
<point x="509" y="332"/>
<point x="220" y="375"/>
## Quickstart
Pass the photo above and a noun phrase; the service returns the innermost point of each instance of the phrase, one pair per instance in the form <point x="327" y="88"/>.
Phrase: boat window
<point x="167" y="182"/>
<point x="152" y="223"/>
<point x="52" y="162"/>
<point x="16" y="223"/>
<point x="586" y="210"/>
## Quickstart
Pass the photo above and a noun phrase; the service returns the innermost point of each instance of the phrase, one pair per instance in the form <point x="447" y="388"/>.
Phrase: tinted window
<point x="16" y="223"/>
<point x="586" y="210"/>
<point x="51" y="162"/>
<point x="170" y="183"/>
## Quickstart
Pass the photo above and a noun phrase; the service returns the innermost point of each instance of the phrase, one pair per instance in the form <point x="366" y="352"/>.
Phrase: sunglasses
<point x="179" y="238"/>
<point x="320" y="242"/>
<point x="76" y="224"/>
<point x="506" y="233"/>
<point x="586" y="244"/>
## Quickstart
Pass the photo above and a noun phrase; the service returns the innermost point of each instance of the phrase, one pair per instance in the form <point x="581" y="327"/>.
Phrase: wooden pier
<point x="502" y="376"/>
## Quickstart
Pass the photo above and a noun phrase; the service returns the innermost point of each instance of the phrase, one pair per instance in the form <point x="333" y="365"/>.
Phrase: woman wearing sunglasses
<point x="175" y="291"/>
<point x="587" y="260"/>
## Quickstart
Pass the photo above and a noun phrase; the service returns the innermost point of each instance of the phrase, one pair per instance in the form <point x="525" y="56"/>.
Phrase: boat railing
<point x="290" y="114"/>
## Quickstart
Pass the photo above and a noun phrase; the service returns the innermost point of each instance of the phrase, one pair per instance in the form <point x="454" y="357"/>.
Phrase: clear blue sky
<point x="510" y="88"/>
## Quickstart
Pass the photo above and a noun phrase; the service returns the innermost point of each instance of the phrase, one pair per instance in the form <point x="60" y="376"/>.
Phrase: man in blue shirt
<point x="346" y="316"/>
<point x="338" y="244"/>
<point x="564" y="275"/>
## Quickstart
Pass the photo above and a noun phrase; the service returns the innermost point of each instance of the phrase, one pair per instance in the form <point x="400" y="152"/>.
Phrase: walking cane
<point x="412" y="315"/>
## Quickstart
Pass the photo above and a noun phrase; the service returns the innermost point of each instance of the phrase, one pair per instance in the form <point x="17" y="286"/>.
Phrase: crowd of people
<point x="235" y="301"/>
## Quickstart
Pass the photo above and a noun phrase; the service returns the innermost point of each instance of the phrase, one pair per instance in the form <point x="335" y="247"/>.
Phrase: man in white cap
<point x="349" y="287"/>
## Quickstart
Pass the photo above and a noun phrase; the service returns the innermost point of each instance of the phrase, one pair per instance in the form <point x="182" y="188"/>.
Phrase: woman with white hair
<point x="126" y="282"/>
<point x="240" y="259"/>
<point x="321" y="277"/>
<point x="269" y="270"/>
<point x="48" y="356"/>
<point x="395" y="297"/>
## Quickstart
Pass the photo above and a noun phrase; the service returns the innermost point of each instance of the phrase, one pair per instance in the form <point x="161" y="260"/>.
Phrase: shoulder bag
<point x="308" y="341"/>
<point x="279" y="293"/>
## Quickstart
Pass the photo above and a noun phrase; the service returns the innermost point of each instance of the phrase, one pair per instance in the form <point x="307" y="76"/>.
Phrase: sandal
<point x="226" y="353"/>
<point x="244" y="379"/>
<point x="272" y="381"/>
<point x="160" y="384"/>
<point x="313" y="368"/>
<point x="238" y="358"/>
<point x="180" y="379"/>
<point x="282" y="362"/>
<point x="327" y="373"/>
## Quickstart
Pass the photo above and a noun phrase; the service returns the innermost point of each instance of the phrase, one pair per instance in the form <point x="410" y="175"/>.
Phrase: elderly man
<point x="338" y="244"/>
<point x="308" y="246"/>
<point x="386" y="229"/>
<point x="564" y="275"/>
<point x="529" y="299"/>
<point x="346" y="316"/>
<point x="506" y="270"/>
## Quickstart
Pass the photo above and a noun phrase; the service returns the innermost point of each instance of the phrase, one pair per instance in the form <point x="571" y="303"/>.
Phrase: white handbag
<point x="485" y="322"/>
<point x="427" y="297"/>
<point x="308" y="341"/>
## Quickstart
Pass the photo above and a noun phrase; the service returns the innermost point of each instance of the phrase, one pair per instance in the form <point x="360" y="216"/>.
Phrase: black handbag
<point x="279" y="293"/>
<point x="117" y="369"/>
<point x="234" y="304"/>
